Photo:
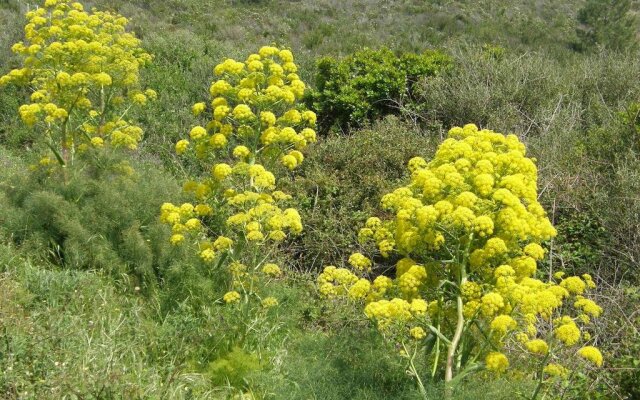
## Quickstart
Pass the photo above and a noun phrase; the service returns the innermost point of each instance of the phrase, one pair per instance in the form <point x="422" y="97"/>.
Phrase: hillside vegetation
<point x="164" y="236"/>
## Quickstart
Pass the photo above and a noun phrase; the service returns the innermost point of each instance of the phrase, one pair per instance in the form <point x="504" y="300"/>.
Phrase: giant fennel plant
<point x="251" y="129"/>
<point x="466" y="235"/>
<point x="82" y="70"/>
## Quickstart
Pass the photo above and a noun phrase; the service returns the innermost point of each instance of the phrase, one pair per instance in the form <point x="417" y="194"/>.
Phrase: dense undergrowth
<point x="98" y="303"/>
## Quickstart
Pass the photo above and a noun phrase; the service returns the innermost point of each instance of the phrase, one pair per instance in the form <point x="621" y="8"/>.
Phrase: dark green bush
<point x="367" y="85"/>
<point x="582" y="242"/>
<point x="613" y="143"/>
<point x="606" y="23"/>
<point x="342" y="182"/>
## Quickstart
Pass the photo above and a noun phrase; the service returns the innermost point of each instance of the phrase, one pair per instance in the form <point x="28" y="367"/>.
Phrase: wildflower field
<point x="270" y="199"/>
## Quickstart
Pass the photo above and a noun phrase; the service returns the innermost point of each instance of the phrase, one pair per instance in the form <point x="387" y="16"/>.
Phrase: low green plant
<point x="69" y="333"/>
<point x="234" y="367"/>
<point x="627" y="367"/>
<point x="99" y="219"/>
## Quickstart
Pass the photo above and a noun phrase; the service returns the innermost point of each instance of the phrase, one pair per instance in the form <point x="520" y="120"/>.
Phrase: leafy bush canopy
<point x="607" y="23"/>
<point x="100" y="219"/>
<point x="368" y="84"/>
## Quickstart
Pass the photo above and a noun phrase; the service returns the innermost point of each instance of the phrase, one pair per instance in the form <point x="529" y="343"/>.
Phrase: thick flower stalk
<point x="252" y="125"/>
<point x="466" y="236"/>
<point x="82" y="69"/>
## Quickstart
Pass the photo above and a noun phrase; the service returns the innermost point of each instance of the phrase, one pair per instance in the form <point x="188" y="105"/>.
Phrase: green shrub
<point x="530" y="94"/>
<point x="511" y="93"/>
<point x="609" y="150"/>
<point x="606" y="23"/>
<point x="342" y="182"/>
<point x="367" y="85"/>
<point x="613" y="141"/>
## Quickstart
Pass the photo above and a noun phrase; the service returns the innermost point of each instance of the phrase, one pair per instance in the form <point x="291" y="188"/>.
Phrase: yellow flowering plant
<point x="82" y="70"/>
<point x="253" y="124"/>
<point x="465" y="235"/>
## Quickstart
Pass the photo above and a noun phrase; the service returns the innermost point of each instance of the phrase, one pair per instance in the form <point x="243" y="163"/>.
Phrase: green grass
<point x="70" y="333"/>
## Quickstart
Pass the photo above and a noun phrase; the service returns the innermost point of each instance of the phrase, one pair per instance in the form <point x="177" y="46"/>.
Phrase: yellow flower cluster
<point x="83" y="72"/>
<point x="555" y="370"/>
<point x="269" y="302"/>
<point x="503" y="324"/>
<point x="254" y="109"/>
<point x="231" y="297"/>
<point x="496" y="362"/>
<point x="417" y="333"/>
<point x="567" y="331"/>
<point x="360" y="262"/>
<point x="245" y="129"/>
<point x="387" y="312"/>
<point x="272" y="270"/>
<point x="537" y="346"/>
<point x="335" y="281"/>
<point x="251" y="216"/>
<point x="480" y="185"/>
<point x="591" y="354"/>
<point x="469" y="217"/>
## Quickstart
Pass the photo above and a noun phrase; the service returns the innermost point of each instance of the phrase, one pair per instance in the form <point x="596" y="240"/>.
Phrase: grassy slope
<point x="79" y="332"/>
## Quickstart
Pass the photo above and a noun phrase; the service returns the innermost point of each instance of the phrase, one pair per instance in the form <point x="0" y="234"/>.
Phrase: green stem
<point x="540" y="377"/>
<point x="453" y="347"/>
<point x="65" y="125"/>
<point x="414" y="372"/>
<point x="448" y="376"/>
<point x="437" y="355"/>
<point x="56" y="153"/>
